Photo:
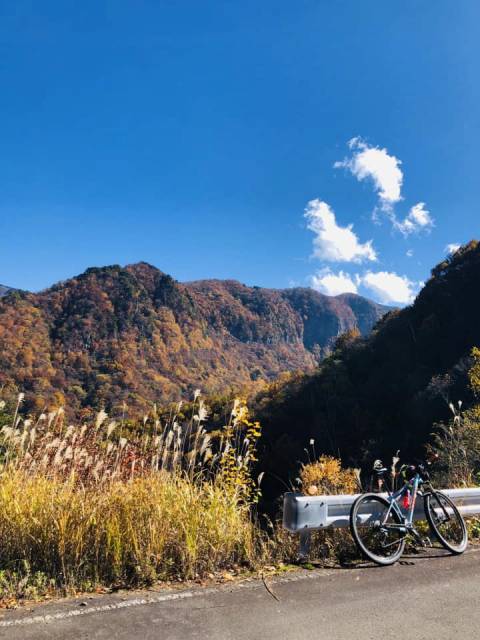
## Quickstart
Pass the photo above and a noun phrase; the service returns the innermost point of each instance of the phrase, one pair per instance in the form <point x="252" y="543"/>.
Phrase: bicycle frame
<point x="407" y="525"/>
<point x="407" y="519"/>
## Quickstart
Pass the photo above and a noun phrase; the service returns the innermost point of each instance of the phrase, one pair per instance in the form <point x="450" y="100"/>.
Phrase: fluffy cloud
<point x="389" y="288"/>
<point x="384" y="286"/>
<point x="383" y="169"/>
<point x="332" y="284"/>
<point x="377" y="165"/>
<point x="418" y="219"/>
<point x="333" y="243"/>
<point x="452" y="248"/>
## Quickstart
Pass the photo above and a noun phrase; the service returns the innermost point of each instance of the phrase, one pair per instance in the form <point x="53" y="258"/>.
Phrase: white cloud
<point x="385" y="287"/>
<point x="418" y="219"/>
<point x="378" y="165"/>
<point x="332" y="284"/>
<point x="452" y="248"/>
<point x="332" y="242"/>
<point x="383" y="169"/>
<point x="390" y="288"/>
<point x="409" y="253"/>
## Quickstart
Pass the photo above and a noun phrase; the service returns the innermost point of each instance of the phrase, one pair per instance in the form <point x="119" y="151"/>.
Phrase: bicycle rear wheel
<point x="446" y="522"/>
<point x="375" y="528"/>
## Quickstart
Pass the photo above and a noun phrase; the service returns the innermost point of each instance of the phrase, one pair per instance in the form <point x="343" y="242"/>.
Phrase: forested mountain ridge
<point x="135" y="335"/>
<point x="384" y="392"/>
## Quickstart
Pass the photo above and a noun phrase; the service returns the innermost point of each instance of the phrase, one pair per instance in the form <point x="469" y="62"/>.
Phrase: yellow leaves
<point x="327" y="476"/>
<point x="238" y="454"/>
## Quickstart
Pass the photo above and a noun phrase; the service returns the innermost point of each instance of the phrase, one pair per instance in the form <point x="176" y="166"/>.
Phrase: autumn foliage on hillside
<point x="134" y="335"/>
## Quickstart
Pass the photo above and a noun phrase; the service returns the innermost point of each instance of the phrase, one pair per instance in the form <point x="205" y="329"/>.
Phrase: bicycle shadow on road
<point x="408" y="559"/>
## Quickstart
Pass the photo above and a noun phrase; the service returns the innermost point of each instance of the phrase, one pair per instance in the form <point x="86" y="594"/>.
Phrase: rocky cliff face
<point x="134" y="334"/>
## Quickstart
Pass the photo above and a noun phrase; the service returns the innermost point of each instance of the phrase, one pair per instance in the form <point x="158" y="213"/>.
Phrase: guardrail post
<point x="305" y="540"/>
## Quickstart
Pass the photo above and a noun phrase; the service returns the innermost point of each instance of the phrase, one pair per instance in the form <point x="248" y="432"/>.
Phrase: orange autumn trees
<point x="135" y="335"/>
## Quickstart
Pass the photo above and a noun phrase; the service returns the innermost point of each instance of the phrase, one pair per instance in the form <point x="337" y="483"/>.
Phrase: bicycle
<point x="380" y="527"/>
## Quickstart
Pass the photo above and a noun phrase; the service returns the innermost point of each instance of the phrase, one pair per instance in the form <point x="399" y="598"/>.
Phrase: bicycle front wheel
<point x="377" y="529"/>
<point x="446" y="522"/>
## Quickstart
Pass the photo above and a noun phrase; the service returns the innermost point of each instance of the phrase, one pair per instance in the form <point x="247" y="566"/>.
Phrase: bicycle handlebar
<point x="406" y="469"/>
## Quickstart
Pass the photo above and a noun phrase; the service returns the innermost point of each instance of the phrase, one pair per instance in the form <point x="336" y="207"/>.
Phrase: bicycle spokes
<point x="446" y="521"/>
<point x="377" y="529"/>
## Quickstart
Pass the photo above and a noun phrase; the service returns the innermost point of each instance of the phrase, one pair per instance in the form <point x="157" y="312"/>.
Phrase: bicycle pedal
<point x="426" y="542"/>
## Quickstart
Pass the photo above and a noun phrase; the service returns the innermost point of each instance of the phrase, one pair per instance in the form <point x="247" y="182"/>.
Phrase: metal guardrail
<point x="307" y="513"/>
<point x="304" y="514"/>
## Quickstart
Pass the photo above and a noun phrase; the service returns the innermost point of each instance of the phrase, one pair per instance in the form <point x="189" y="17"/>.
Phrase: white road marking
<point x="138" y="602"/>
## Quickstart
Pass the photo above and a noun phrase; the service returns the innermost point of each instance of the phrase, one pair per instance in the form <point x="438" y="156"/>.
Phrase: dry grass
<point x="103" y="504"/>
<point x="151" y="528"/>
<point x="111" y="450"/>
<point x="456" y="446"/>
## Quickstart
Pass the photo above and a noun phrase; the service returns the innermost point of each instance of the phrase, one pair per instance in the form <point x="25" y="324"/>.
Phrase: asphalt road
<point x="429" y="596"/>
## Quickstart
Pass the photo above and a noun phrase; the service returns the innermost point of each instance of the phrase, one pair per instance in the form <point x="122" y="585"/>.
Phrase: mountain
<point x="383" y="392"/>
<point x="134" y="334"/>
<point x="4" y="290"/>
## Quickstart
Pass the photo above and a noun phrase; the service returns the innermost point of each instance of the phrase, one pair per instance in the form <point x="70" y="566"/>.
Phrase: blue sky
<point x="194" y="135"/>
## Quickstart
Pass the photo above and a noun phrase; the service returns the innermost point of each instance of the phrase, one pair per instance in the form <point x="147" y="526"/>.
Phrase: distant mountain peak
<point x="142" y="267"/>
